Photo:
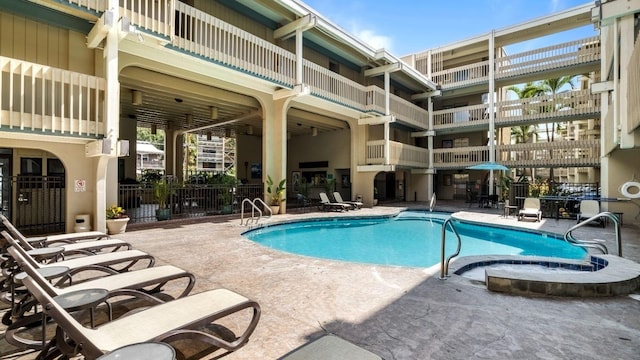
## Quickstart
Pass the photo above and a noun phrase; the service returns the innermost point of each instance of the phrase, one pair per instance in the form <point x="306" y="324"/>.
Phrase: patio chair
<point x="354" y="204"/>
<point x="530" y="208"/>
<point x="52" y="239"/>
<point x="145" y="284"/>
<point x="588" y="209"/>
<point x="179" y="319"/>
<point x="327" y="205"/>
<point x="103" y="262"/>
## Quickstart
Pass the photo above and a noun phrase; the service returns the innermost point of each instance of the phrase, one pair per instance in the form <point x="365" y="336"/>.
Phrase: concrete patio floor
<point x="394" y="312"/>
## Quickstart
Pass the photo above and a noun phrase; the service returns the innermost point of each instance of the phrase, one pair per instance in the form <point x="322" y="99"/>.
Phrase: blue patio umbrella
<point x="489" y="165"/>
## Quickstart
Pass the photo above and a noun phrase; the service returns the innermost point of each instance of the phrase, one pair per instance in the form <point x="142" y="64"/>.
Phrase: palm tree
<point x="552" y="86"/>
<point x="525" y="133"/>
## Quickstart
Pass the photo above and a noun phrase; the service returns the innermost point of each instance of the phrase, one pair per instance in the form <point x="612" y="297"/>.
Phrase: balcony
<point x="538" y="155"/>
<point x="46" y="100"/>
<point x="399" y="154"/>
<point x="561" y="56"/>
<point x="565" y="106"/>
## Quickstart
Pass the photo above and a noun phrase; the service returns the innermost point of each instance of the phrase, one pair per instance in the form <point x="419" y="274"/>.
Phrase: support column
<point x="107" y="171"/>
<point x="492" y="111"/>
<point x="431" y="172"/>
<point x="274" y="144"/>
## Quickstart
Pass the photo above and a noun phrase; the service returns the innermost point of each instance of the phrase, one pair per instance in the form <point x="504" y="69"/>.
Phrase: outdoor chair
<point x="182" y="319"/>
<point x="145" y="284"/>
<point x="530" y="208"/>
<point x="589" y="209"/>
<point x="327" y="205"/>
<point x="52" y="239"/>
<point x="354" y="204"/>
<point x="110" y="263"/>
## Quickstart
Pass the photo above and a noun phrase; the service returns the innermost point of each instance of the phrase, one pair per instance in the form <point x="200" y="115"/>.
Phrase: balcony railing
<point x="563" y="55"/>
<point x="567" y="105"/>
<point x="466" y="75"/>
<point x="572" y="53"/>
<point x="44" y="99"/>
<point x="552" y="154"/>
<point x="399" y="154"/>
<point x="457" y="158"/>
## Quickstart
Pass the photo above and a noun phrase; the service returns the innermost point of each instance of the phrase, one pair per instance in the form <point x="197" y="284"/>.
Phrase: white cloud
<point x="374" y="40"/>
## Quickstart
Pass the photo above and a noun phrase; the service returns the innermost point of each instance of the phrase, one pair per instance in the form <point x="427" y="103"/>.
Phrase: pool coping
<point x="611" y="275"/>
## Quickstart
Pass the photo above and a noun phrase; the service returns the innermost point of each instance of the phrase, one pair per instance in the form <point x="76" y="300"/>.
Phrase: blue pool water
<point x="409" y="239"/>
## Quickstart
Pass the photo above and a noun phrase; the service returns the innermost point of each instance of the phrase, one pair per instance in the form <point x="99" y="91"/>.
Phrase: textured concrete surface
<point x="394" y="312"/>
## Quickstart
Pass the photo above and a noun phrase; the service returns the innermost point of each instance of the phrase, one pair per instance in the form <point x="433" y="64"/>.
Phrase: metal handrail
<point x="444" y="264"/>
<point x="596" y="244"/>
<point x="263" y="204"/>
<point x="432" y="204"/>
<point x="253" y="209"/>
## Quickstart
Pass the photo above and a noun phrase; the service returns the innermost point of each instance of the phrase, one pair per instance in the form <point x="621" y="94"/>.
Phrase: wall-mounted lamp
<point x="136" y="97"/>
<point x="189" y="119"/>
<point x="154" y="129"/>
<point x="249" y="129"/>
<point x="209" y="135"/>
<point x="314" y="131"/>
<point x="214" y="112"/>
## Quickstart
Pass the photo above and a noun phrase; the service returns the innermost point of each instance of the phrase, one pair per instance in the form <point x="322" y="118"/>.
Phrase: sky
<point x="404" y="27"/>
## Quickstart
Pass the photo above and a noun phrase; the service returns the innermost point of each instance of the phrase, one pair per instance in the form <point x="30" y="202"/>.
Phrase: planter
<point x="163" y="214"/>
<point x="275" y="209"/>
<point x="117" y="226"/>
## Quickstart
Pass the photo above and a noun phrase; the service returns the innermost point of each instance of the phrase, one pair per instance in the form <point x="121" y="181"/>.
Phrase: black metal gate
<point x="37" y="203"/>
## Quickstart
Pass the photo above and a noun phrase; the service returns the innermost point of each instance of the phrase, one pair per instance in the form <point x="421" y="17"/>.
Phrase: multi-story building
<point x="300" y="94"/>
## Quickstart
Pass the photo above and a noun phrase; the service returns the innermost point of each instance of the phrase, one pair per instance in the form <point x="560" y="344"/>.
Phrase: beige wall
<point x="618" y="168"/>
<point x="35" y="42"/>
<point x="76" y="167"/>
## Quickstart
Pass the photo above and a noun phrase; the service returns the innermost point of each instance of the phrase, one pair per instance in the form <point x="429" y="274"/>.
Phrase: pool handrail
<point x="595" y="244"/>
<point x="444" y="264"/>
<point x="253" y="209"/>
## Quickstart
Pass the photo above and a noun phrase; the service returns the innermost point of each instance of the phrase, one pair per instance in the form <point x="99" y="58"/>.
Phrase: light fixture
<point x="214" y="112"/>
<point x="314" y="131"/>
<point x="209" y="135"/>
<point x="189" y="119"/>
<point x="249" y="129"/>
<point x="136" y="97"/>
<point x="154" y="129"/>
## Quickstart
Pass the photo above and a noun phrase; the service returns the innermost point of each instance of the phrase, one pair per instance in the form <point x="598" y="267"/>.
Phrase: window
<point x="31" y="166"/>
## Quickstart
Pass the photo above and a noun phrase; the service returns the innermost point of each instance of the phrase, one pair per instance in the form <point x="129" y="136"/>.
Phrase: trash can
<point x="83" y="223"/>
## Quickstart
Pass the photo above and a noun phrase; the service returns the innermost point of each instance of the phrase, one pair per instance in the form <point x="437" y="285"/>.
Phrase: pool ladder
<point x="444" y="264"/>
<point x="596" y="243"/>
<point x="254" y="209"/>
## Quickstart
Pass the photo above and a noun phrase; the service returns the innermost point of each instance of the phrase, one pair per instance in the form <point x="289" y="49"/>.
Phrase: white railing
<point x="466" y="115"/>
<point x="633" y="95"/>
<point x="331" y="86"/>
<point x="465" y="75"/>
<point x="571" y="53"/>
<point x="399" y="154"/>
<point x="156" y="16"/>
<point x="93" y="5"/>
<point x="563" y="105"/>
<point x="40" y="98"/>
<point x="551" y="154"/>
<point x="461" y="157"/>
<point x="408" y="113"/>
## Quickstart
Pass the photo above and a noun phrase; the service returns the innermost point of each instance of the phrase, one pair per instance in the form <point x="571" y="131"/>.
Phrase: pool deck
<point x="395" y="312"/>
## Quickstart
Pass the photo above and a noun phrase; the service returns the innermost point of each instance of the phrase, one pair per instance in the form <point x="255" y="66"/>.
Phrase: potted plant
<point x="117" y="219"/>
<point x="161" y="192"/>
<point x="277" y="194"/>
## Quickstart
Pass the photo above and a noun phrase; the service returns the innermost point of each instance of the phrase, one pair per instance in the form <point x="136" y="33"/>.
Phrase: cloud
<point x="376" y="41"/>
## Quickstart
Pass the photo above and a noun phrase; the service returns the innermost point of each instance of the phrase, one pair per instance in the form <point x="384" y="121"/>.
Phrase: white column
<point x="430" y="147"/>
<point x="492" y="120"/>
<point x="298" y="57"/>
<point x="387" y="111"/>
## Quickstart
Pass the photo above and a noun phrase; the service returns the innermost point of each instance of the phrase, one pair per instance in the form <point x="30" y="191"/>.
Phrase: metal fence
<point x="186" y="200"/>
<point x="557" y="200"/>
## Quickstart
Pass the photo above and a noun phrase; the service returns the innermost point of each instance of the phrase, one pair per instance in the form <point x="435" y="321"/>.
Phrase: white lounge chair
<point x="589" y="209"/>
<point x="326" y="204"/>
<point x="530" y="208"/>
<point x="51" y="239"/>
<point x="354" y="204"/>
<point x="179" y="319"/>
<point x="145" y="284"/>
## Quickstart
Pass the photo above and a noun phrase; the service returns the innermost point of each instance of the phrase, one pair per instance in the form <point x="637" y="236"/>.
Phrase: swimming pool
<point x="412" y="239"/>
